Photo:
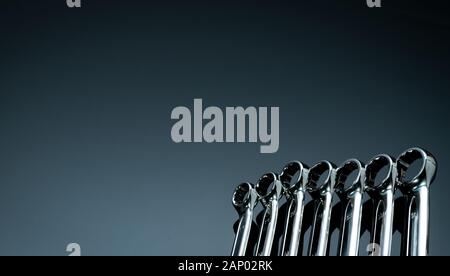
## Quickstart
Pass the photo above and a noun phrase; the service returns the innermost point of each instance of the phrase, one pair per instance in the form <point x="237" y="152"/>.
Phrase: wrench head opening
<point x="244" y="197"/>
<point x="343" y="186"/>
<point x="269" y="187"/>
<point x="325" y="170"/>
<point x="293" y="176"/>
<point x="427" y="171"/>
<point x="374" y="168"/>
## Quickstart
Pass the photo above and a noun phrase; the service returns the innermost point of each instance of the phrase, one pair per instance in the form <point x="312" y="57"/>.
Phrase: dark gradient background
<point x="86" y="96"/>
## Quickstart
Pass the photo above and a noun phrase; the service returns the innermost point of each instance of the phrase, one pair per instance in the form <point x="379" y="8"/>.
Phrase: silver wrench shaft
<point x="323" y="197"/>
<point x="295" y="190"/>
<point x="352" y="199"/>
<point x="270" y="200"/>
<point x="244" y="200"/>
<point x="416" y="191"/>
<point x="382" y="196"/>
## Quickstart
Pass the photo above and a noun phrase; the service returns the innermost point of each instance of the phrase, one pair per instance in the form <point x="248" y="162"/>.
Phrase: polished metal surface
<point x="270" y="190"/>
<point x="294" y="178"/>
<point x="382" y="196"/>
<point x="416" y="192"/>
<point x="322" y="195"/>
<point x="245" y="199"/>
<point x="352" y="198"/>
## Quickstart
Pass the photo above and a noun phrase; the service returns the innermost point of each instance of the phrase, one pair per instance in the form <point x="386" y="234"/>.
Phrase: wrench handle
<point x="383" y="222"/>
<point x="243" y="233"/>
<point x="419" y="227"/>
<point x="351" y="226"/>
<point x="267" y="232"/>
<point x="293" y="228"/>
<point x="321" y="226"/>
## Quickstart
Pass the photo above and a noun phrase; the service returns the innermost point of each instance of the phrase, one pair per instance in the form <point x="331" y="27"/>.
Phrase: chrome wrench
<point x="352" y="200"/>
<point x="270" y="190"/>
<point x="416" y="191"/>
<point x="382" y="196"/>
<point x="244" y="200"/>
<point x="322" y="196"/>
<point x="294" y="190"/>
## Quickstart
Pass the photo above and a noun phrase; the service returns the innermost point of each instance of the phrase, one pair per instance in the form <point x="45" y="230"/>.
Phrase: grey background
<point x="86" y="96"/>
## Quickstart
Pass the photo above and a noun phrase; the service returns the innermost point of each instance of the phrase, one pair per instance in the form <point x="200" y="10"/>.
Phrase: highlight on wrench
<point x="382" y="194"/>
<point x="294" y="178"/>
<point x="416" y="192"/>
<point x="270" y="190"/>
<point x="322" y="194"/>
<point x="244" y="200"/>
<point x="352" y="198"/>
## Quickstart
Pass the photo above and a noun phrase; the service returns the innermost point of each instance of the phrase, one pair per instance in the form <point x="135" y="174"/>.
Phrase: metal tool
<point x="322" y="196"/>
<point x="294" y="190"/>
<point x="270" y="190"/>
<point x="416" y="192"/>
<point x="244" y="200"/>
<point x="282" y="226"/>
<point x="352" y="200"/>
<point x="382" y="196"/>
